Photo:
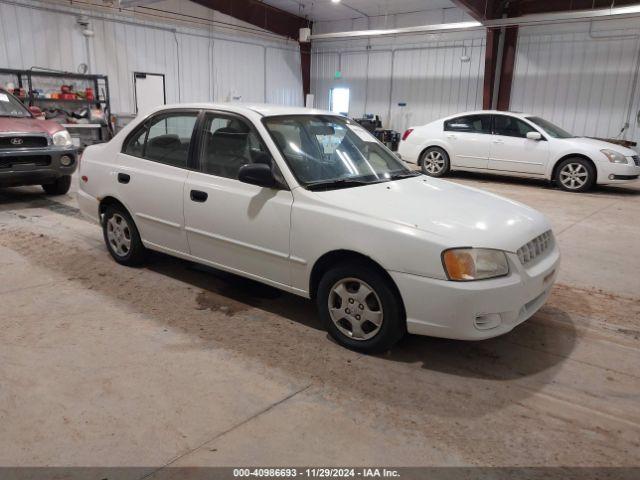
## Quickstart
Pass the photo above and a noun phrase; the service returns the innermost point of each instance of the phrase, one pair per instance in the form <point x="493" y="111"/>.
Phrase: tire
<point x="575" y="175"/>
<point x="382" y="304"/>
<point x="59" y="187"/>
<point x="435" y="162"/>
<point x="122" y="238"/>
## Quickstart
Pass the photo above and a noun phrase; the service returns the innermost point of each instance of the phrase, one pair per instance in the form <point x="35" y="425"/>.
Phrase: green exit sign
<point x="338" y="74"/>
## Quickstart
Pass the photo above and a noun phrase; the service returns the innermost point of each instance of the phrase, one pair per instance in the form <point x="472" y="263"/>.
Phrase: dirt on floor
<point x="575" y="363"/>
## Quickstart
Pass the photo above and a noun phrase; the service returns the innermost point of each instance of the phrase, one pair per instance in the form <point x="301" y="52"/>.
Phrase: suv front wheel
<point x="59" y="187"/>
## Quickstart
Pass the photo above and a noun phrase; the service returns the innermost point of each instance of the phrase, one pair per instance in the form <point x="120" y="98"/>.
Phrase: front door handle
<point x="124" y="178"/>
<point x="498" y="141"/>
<point x="198" y="196"/>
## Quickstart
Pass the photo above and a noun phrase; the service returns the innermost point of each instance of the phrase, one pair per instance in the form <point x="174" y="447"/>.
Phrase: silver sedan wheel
<point x="433" y="162"/>
<point x="119" y="235"/>
<point x="574" y="176"/>
<point x="355" y="309"/>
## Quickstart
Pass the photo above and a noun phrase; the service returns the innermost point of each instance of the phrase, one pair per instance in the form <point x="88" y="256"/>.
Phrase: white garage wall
<point x="579" y="79"/>
<point x="429" y="76"/>
<point x="199" y="65"/>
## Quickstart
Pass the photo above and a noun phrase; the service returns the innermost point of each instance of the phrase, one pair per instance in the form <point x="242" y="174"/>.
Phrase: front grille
<point x="535" y="248"/>
<point x="23" y="141"/>
<point x="38" y="160"/>
<point x="636" y="160"/>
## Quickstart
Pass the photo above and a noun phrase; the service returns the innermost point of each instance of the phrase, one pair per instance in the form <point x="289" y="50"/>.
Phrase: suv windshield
<point x="10" y="106"/>
<point x="333" y="152"/>
<point x="550" y="128"/>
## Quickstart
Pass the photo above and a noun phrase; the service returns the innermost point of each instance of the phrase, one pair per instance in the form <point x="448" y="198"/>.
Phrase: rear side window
<point x="164" y="139"/>
<point x="469" y="124"/>
<point x="511" y="126"/>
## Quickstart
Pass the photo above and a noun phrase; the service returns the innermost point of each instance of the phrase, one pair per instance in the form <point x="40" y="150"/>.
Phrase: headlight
<point x="614" y="157"/>
<point x="466" y="264"/>
<point x="62" y="139"/>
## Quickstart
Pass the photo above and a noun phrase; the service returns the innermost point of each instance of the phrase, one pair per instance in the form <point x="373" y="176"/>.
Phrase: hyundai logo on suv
<point x="17" y="141"/>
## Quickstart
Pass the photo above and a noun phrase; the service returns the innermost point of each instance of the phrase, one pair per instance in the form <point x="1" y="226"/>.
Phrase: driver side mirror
<point x="36" y="112"/>
<point x="259" y="174"/>
<point x="534" y="136"/>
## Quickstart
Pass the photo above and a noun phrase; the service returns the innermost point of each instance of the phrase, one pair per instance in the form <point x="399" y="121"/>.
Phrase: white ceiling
<point x="322" y="10"/>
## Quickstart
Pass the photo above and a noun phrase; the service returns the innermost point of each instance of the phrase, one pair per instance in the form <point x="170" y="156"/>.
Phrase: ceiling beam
<point x="260" y="15"/>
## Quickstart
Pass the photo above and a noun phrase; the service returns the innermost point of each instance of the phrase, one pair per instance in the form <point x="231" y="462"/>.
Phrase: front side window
<point x="326" y="152"/>
<point x="228" y="143"/>
<point x="469" y="124"/>
<point x="511" y="126"/>
<point x="10" y="106"/>
<point x="553" y="130"/>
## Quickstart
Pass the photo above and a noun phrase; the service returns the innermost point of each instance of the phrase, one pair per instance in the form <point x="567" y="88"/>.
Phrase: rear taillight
<point x="406" y="134"/>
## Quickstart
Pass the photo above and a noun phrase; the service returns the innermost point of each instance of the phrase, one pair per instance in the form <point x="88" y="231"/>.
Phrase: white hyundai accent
<point x="519" y="145"/>
<point x="311" y="203"/>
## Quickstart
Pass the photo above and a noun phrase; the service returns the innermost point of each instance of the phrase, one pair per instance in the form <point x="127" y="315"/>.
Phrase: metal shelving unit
<point x="30" y="79"/>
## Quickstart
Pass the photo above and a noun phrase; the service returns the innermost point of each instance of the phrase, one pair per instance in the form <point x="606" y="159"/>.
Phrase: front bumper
<point x="614" y="173"/>
<point x="35" y="166"/>
<point x="441" y="308"/>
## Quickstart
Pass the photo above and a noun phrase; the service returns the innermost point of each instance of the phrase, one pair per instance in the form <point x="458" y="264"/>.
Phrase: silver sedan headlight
<point x="614" y="157"/>
<point x="62" y="139"/>
<point x="467" y="264"/>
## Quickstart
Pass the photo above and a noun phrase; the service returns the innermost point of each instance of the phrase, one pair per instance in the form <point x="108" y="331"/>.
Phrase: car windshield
<point x="550" y="128"/>
<point x="10" y="106"/>
<point x="333" y="152"/>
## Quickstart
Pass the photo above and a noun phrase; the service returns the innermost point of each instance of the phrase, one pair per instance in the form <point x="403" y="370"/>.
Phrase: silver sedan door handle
<point x="498" y="141"/>
<point x="451" y="135"/>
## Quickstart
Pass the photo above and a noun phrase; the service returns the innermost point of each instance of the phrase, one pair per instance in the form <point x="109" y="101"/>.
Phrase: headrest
<point x="229" y="140"/>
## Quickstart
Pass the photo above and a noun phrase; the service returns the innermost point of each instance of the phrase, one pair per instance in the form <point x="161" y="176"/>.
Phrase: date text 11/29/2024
<point x="315" y="473"/>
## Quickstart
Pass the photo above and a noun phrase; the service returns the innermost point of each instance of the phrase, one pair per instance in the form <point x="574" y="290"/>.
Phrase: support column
<point x="305" y="63"/>
<point x="498" y="68"/>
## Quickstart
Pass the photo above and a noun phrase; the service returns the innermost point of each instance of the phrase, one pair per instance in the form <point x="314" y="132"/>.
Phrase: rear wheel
<point x="122" y="238"/>
<point x="435" y="162"/>
<point x="360" y="308"/>
<point x="59" y="187"/>
<point x="575" y="175"/>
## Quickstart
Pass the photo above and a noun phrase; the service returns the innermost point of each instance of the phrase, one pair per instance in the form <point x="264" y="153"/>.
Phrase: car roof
<point x="265" y="110"/>
<point x="490" y="112"/>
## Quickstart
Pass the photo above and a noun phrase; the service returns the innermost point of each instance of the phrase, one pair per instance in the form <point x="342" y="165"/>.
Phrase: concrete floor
<point x="173" y="364"/>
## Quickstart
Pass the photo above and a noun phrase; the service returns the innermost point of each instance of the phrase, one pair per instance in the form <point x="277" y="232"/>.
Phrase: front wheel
<point x="575" y="175"/>
<point x="435" y="162"/>
<point x="360" y="308"/>
<point x="59" y="187"/>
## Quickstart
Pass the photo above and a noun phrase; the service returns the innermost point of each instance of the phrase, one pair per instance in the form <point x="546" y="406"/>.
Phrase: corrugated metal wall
<point x="431" y="78"/>
<point x="198" y="65"/>
<point x="580" y="79"/>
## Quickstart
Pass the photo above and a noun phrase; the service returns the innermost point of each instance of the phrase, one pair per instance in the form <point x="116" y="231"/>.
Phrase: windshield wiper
<point x="338" y="183"/>
<point x="408" y="174"/>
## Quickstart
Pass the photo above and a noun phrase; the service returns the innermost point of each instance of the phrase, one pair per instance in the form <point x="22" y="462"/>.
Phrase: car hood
<point x="595" y="144"/>
<point x="457" y="216"/>
<point x="28" y="125"/>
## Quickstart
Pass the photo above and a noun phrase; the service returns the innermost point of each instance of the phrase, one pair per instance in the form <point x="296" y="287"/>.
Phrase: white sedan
<point x="311" y="203"/>
<point x="520" y="145"/>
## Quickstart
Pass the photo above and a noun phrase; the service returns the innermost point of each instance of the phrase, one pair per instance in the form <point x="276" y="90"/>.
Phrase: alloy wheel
<point x="355" y="309"/>
<point x="574" y="176"/>
<point x="433" y="162"/>
<point x="119" y="235"/>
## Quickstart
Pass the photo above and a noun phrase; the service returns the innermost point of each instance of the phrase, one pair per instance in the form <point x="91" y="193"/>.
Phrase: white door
<point x="241" y="227"/>
<point x="149" y="90"/>
<point x="469" y="138"/>
<point x="151" y="175"/>
<point x="512" y="151"/>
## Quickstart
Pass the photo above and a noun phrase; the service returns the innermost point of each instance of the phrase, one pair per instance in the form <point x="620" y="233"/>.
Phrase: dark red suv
<point x="33" y="151"/>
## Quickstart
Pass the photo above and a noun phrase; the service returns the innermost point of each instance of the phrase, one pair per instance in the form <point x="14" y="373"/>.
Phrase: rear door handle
<point x="498" y="141"/>
<point x="451" y="136"/>
<point x="124" y="178"/>
<point x="198" y="196"/>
